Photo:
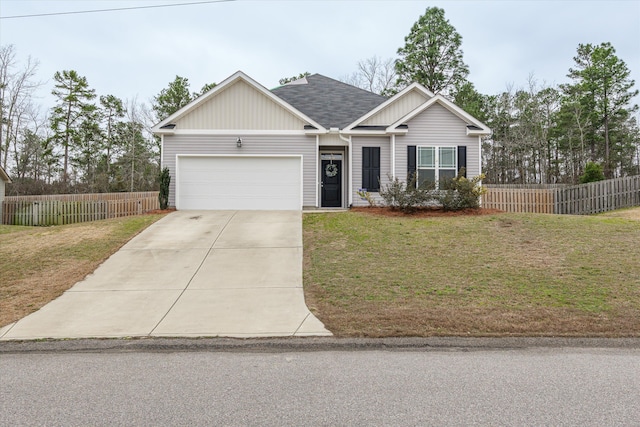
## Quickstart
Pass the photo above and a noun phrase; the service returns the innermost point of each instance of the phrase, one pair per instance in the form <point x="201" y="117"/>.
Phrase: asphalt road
<point x="524" y="386"/>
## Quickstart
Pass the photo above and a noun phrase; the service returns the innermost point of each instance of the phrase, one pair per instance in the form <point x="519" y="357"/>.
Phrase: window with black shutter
<point x="462" y="159"/>
<point x="435" y="164"/>
<point x="412" y="167"/>
<point x="371" y="168"/>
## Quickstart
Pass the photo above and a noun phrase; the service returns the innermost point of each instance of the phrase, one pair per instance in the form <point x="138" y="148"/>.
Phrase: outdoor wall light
<point x="239" y="142"/>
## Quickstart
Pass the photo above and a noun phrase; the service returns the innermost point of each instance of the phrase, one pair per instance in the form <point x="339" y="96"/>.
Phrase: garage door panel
<point x="239" y="183"/>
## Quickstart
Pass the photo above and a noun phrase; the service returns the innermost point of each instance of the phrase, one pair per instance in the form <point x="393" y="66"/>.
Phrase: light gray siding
<point x="398" y="109"/>
<point x="439" y="127"/>
<point x="385" y="164"/>
<point x="251" y="145"/>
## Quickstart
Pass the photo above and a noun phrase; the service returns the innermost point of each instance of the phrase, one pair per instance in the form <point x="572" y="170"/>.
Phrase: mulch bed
<point x="423" y="212"/>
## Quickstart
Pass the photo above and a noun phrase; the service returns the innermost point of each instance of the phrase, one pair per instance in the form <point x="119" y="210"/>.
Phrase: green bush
<point x="405" y="197"/>
<point x="163" y="195"/>
<point x="592" y="173"/>
<point x="461" y="193"/>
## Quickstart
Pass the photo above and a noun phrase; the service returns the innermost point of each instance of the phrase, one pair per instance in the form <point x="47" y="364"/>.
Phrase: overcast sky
<point x="133" y="53"/>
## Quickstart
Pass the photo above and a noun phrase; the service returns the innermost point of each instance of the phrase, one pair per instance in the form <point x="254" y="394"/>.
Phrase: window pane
<point x="447" y="157"/>
<point x="447" y="173"/>
<point x="445" y="176"/>
<point x="427" y="176"/>
<point x="427" y="157"/>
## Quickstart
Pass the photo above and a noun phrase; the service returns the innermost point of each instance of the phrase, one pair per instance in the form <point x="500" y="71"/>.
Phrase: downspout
<point x="393" y="156"/>
<point x="480" y="156"/>
<point x="349" y="178"/>
<point x="317" y="171"/>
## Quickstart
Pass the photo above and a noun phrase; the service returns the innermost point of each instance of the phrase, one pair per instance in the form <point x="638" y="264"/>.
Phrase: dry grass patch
<point x="630" y="213"/>
<point x="500" y="274"/>
<point x="37" y="264"/>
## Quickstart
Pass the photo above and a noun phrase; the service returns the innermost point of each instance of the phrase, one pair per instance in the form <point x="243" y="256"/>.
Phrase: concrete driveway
<point x="193" y="273"/>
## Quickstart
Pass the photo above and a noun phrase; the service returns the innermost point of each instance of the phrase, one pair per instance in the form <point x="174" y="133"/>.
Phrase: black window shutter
<point x="462" y="159"/>
<point x="412" y="164"/>
<point x="371" y="168"/>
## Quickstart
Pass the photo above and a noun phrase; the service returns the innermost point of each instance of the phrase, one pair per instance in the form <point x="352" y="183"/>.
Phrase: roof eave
<point x="479" y="132"/>
<point x="4" y="176"/>
<point x="363" y="132"/>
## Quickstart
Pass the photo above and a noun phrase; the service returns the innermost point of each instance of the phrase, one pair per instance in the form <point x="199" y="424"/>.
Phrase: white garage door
<point x="251" y="183"/>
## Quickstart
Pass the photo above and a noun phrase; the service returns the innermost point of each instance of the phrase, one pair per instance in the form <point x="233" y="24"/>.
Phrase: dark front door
<point x="331" y="182"/>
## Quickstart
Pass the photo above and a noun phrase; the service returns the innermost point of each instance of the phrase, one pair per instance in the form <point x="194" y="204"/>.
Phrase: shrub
<point x="365" y="195"/>
<point x="592" y="173"/>
<point x="405" y="197"/>
<point x="163" y="195"/>
<point x="461" y="193"/>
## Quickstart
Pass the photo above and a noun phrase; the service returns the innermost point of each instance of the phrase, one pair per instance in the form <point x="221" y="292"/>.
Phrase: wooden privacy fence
<point x="59" y="209"/>
<point x="583" y="199"/>
<point x="533" y="200"/>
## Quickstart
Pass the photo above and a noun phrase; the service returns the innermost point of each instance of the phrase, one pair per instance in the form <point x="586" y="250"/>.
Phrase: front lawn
<point x="37" y="264"/>
<point x="501" y="274"/>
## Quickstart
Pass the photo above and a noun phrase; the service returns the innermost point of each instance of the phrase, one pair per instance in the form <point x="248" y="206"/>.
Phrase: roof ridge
<point x="347" y="84"/>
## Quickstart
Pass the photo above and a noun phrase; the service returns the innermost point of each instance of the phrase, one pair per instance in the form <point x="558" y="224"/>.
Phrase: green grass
<point x="505" y="274"/>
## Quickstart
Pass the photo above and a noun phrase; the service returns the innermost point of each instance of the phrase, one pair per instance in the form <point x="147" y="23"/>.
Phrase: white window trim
<point x="437" y="167"/>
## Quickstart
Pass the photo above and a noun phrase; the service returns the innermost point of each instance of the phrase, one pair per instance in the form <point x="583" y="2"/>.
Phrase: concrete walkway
<point x="193" y="273"/>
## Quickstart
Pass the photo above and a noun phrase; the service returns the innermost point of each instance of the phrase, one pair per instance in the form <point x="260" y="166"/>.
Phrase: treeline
<point x="85" y="143"/>
<point x="552" y="134"/>
<point x="541" y="134"/>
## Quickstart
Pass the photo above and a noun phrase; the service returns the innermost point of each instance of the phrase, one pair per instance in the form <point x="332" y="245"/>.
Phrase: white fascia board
<point x="485" y="131"/>
<point x="4" y="176"/>
<point x="364" y="132"/>
<point x="314" y="132"/>
<point x="449" y="106"/>
<point x="238" y="75"/>
<point x="236" y="132"/>
<point x="394" y="98"/>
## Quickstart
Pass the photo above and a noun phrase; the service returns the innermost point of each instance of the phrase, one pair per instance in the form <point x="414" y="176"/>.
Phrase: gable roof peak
<point x="237" y="76"/>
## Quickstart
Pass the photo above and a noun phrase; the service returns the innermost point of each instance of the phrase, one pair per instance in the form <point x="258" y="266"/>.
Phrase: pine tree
<point x="603" y="89"/>
<point x="72" y="109"/>
<point x="432" y="55"/>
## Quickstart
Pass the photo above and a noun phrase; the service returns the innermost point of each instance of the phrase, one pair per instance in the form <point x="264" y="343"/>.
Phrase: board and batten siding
<point x="357" y="142"/>
<point x="240" y="106"/>
<point x="398" y="109"/>
<point x="437" y="126"/>
<point x="271" y="145"/>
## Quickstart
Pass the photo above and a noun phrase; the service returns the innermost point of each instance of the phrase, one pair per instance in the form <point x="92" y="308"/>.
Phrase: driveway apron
<point x="193" y="273"/>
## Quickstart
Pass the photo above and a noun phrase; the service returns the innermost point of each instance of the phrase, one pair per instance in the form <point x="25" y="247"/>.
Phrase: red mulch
<point x="424" y="212"/>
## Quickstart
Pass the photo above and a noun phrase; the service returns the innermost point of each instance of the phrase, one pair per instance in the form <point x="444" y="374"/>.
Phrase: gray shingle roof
<point x="329" y="102"/>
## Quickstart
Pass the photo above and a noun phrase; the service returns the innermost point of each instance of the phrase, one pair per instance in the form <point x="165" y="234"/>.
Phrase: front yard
<point x="37" y="264"/>
<point x="376" y="276"/>
<point x="501" y="274"/>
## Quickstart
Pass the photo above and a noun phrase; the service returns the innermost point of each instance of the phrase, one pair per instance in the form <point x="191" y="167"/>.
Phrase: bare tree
<point x="374" y="74"/>
<point x="16" y="91"/>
